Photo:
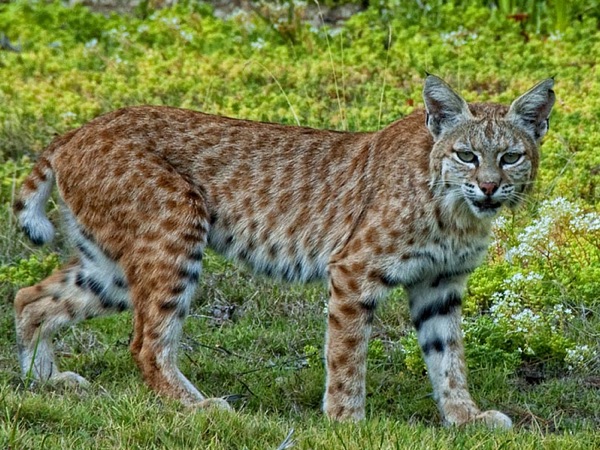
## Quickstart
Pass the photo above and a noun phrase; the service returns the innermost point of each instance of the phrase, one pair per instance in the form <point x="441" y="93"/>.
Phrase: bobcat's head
<point x="485" y="155"/>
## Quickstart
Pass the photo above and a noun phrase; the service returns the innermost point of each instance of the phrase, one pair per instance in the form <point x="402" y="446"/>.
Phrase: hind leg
<point x="66" y="297"/>
<point x="160" y="252"/>
<point x="163" y="276"/>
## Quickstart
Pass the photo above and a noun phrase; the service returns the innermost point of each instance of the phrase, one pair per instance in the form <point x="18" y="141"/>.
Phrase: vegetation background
<point x="532" y="314"/>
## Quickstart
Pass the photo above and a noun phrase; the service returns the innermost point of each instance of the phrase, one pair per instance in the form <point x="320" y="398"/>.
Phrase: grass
<point x="250" y="338"/>
<point x="262" y="342"/>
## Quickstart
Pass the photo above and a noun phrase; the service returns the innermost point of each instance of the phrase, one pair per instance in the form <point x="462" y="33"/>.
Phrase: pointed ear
<point x="532" y="109"/>
<point x="445" y="108"/>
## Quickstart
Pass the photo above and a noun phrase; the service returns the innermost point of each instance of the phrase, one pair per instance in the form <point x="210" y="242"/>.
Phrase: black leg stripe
<point x="178" y="289"/>
<point x="442" y="307"/>
<point x="196" y="255"/>
<point x="174" y="306"/>
<point x="192" y="275"/>
<point x="80" y="280"/>
<point x="85" y="251"/>
<point x="369" y="307"/>
<point x="121" y="306"/>
<point x="436" y="344"/>
<point x="96" y="288"/>
<point x="120" y="282"/>
<point x="424" y="255"/>
<point x="389" y="281"/>
<point x="169" y="305"/>
<point x="369" y="304"/>
<point x="448" y="276"/>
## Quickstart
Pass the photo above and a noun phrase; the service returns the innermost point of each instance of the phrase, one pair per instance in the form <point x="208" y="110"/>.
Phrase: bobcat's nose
<point x="488" y="188"/>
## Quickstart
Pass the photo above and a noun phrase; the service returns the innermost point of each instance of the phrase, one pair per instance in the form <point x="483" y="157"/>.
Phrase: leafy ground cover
<point x="532" y="315"/>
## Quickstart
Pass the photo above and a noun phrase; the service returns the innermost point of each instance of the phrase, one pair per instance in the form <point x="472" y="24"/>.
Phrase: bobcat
<point x="147" y="188"/>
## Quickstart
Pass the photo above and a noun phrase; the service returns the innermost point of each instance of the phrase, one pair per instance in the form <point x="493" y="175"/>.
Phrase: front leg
<point x="435" y="309"/>
<point x="349" y="328"/>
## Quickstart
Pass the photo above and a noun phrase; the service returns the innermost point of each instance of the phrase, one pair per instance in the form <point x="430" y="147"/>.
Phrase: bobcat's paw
<point x="219" y="403"/>
<point x="70" y="379"/>
<point x="341" y="413"/>
<point x="494" y="419"/>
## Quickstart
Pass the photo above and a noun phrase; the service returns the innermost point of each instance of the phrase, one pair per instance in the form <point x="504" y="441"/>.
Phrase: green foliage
<point x="540" y="280"/>
<point x="313" y="355"/>
<point x="12" y="174"/>
<point x="412" y="351"/>
<point x="554" y="15"/>
<point x="29" y="271"/>
<point x="533" y="304"/>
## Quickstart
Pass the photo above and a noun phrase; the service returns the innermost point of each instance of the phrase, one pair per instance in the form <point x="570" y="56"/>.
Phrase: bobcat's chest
<point x="435" y="261"/>
<point x="453" y="257"/>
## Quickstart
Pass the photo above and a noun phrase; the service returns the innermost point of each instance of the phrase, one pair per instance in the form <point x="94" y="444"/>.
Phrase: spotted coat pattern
<point x="146" y="189"/>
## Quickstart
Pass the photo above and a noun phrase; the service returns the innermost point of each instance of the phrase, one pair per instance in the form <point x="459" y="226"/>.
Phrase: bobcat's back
<point x="281" y="199"/>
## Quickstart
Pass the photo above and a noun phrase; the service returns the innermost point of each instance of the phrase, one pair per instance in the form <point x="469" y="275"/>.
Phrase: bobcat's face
<point x="485" y="155"/>
<point x="487" y="166"/>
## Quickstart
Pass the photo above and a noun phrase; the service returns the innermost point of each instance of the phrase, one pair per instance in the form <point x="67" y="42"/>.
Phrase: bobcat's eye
<point x="510" y="158"/>
<point x="468" y="157"/>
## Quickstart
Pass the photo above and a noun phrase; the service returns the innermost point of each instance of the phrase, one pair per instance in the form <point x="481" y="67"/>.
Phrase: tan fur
<point x="147" y="188"/>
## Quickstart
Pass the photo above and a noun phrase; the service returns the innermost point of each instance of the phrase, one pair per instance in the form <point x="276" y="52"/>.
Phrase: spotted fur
<point x="146" y="189"/>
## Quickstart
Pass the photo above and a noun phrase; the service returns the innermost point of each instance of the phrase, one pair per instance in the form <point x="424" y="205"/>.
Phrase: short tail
<point x="30" y="207"/>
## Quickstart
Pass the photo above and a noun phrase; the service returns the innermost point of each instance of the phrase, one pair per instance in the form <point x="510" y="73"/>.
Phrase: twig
<point x="288" y="442"/>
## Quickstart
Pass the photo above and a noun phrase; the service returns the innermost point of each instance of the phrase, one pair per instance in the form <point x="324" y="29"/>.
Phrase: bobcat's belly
<point x="271" y="252"/>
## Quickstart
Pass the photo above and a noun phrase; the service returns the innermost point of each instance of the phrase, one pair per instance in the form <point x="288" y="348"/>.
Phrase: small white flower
<point x="258" y="44"/>
<point x="333" y="32"/>
<point x="500" y="222"/>
<point x="529" y="351"/>
<point x="589" y="222"/>
<point x="579" y="356"/>
<point x="459" y="37"/>
<point x="532" y="276"/>
<point x="555" y="36"/>
<point x="187" y="36"/>
<point x="91" y="44"/>
<point x="237" y="12"/>
<point x="173" y="22"/>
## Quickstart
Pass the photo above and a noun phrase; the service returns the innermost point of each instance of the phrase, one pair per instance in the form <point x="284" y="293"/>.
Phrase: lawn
<point x="532" y="313"/>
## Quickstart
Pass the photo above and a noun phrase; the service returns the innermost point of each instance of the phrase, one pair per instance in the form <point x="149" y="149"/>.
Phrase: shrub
<point x="26" y="272"/>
